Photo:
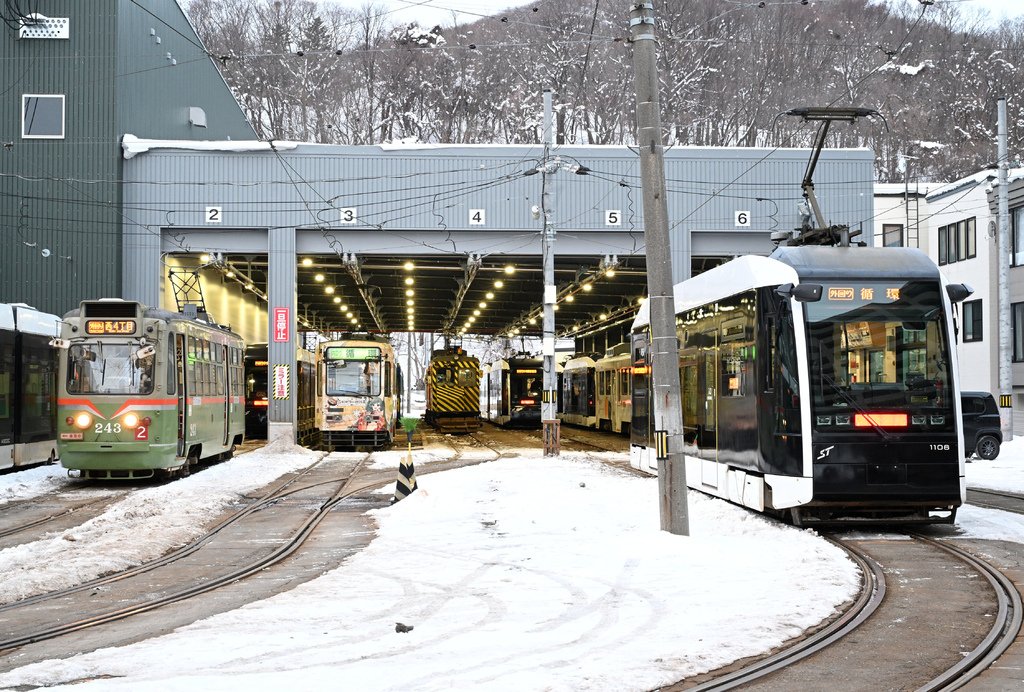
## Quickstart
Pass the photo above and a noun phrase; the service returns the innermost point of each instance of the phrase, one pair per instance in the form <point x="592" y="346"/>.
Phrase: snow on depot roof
<point x="132" y="146"/>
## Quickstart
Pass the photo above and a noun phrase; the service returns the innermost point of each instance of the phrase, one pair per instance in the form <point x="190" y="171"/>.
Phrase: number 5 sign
<point x="743" y="218"/>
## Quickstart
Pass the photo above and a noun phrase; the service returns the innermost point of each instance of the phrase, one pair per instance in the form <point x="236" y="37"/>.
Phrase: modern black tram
<point x="28" y="394"/>
<point x="257" y="401"/>
<point x="512" y="396"/>
<point x="819" y="383"/>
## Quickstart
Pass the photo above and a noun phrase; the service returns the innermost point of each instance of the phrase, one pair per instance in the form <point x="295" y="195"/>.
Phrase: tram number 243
<point x="141" y="432"/>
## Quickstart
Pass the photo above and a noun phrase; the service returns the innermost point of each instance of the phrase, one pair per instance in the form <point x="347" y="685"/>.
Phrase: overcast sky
<point x="430" y="12"/>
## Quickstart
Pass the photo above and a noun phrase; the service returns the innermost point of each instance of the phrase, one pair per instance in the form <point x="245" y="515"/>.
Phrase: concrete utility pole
<point x="1005" y="330"/>
<point x="549" y="397"/>
<point x="665" y="400"/>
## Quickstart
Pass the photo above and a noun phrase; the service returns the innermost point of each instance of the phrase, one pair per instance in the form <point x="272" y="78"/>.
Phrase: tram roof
<point x="796" y="264"/>
<point x="823" y="263"/>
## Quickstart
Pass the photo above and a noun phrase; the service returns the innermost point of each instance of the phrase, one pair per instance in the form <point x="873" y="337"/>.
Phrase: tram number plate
<point x="71" y="436"/>
<point x="142" y="433"/>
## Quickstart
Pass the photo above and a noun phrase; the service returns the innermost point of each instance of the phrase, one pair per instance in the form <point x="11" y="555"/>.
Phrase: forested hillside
<point x="312" y="71"/>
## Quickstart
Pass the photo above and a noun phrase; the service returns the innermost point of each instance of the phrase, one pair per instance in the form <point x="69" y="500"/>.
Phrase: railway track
<point x="996" y="499"/>
<point x="41" y="631"/>
<point x="791" y="666"/>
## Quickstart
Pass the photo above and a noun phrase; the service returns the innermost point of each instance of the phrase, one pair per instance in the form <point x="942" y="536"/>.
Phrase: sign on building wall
<point x="281" y="325"/>
<point x="281" y="382"/>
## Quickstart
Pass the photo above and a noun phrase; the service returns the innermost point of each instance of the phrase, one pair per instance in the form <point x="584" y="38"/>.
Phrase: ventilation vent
<point x="38" y="26"/>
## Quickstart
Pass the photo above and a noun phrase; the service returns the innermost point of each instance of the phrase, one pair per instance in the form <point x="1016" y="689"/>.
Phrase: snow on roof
<point x="132" y="146"/>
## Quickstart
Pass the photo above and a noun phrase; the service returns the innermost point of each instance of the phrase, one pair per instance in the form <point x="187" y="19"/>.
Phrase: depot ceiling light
<point x="318" y="277"/>
<point x="490" y="296"/>
<point x="409" y="292"/>
<point x="328" y="290"/>
<point x="483" y="304"/>
<point x="410" y="302"/>
<point x="204" y="258"/>
<point x="570" y="298"/>
<point x="499" y="283"/>
<point x="509" y="269"/>
<point x="588" y="287"/>
<point x="409" y="281"/>
<point x="307" y="262"/>
<point x="409" y="266"/>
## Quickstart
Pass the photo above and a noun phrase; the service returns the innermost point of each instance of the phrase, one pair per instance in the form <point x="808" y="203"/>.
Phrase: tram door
<point x="179" y="370"/>
<point x="223" y="365"/>
<point x="708" y="441"/>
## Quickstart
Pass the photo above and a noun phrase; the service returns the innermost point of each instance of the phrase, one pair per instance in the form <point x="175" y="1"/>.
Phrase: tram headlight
<point x="130" y="420"/>
<point x="83" y="420"/>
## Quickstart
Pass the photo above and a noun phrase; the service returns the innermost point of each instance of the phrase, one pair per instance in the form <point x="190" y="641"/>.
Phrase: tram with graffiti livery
<point x="144" y="392"/>
<point x="453" y="391"/>
<point x="28" y="399"/>
<point x="820" y="383"/>
<point x="359" y="388"/>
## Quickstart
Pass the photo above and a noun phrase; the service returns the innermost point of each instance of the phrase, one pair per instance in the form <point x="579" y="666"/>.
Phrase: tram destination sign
<point x="352" y="353"/>
<point x="103" y="327"/>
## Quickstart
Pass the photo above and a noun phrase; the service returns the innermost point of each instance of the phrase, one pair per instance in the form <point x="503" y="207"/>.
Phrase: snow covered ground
<point x="526" y="573"/>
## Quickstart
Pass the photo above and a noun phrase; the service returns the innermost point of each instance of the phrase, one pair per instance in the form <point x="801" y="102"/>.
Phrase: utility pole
<point x="665" y="400"/>
<point x="549" y="396"/>
<point x="1005" y="331"/>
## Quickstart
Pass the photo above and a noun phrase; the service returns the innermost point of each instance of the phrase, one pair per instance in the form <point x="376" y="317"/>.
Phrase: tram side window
<point x="786" y="378"/>
<point x="624" y="382"/>
<point x="37" y="377"/>
<point x="388" y="375"/>
<point x="172" y="380"/>
<point x="6" y="390"/>
<point x="190" y="368"/>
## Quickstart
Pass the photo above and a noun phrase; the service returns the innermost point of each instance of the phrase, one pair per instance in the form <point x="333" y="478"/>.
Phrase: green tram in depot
<point x="144" y="392"/>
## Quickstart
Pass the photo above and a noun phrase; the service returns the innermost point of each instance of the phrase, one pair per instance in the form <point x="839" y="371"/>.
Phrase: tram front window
<point x="879" y="348"/>
<point x="109" y="369"/>
<point x="353" y="378"/>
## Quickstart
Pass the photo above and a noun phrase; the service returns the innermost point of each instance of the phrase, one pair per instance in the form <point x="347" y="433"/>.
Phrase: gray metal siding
<point x="434" y="189"/>
<point x="153" y="94"/>
<point x="62" y="195"/>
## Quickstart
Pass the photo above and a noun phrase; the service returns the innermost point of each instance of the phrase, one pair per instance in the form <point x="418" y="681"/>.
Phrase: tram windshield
<point x="102" y="368"/>
<point x="353" y="378"/>
<point x="879" y="348"/>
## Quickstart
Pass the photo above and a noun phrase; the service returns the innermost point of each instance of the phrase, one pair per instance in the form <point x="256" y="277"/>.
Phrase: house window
<point x="1017" y="312"/>
<point x="958" y="241"/>
<point x="972" y="321"/>
<point x="42" y="116"/>
<point x="892" y="234"/>
<point x="1017" y="252"/>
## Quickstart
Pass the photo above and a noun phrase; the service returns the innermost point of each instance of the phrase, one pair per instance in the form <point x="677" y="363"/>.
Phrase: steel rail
<point x="1004" y="631"/>
<point x="4" y="533"/>
<point x="870" y="598"/>
<point x="272" y="495"/>
<point x="286" y="549"/>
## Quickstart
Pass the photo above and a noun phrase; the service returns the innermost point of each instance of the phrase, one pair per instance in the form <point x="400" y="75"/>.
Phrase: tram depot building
<point x="133" y="159"/>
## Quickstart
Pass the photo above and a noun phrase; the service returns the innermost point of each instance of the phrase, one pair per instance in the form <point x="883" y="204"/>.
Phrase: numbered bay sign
<point x="612" y="217"/>
<point x="214" y="214"/>
<point x="743" y="218"/>
<point x="477" y="217"/>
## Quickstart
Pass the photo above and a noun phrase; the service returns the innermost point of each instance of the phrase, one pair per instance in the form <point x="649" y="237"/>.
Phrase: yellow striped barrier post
<point x="406" y="471"/>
